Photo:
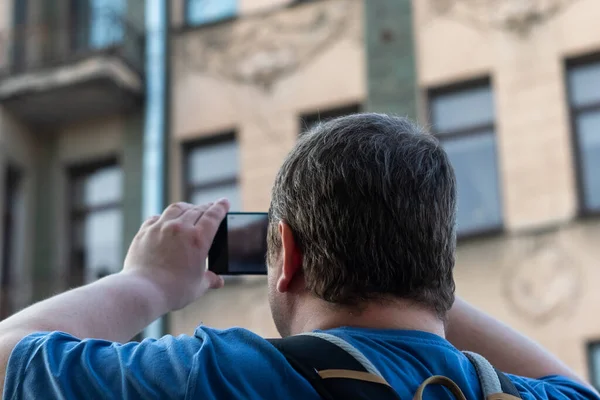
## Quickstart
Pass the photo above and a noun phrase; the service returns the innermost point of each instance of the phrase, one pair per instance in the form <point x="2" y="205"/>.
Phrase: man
<point x="361" y="245"/>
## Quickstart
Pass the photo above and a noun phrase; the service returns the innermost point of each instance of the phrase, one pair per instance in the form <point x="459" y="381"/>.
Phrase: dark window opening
<point x="200" y="12"/>
<point x="11" y="187"/>
<point x="96" y="222"/>
<point x="19" y="49"/>
<point x="212" y="168"/>
<point x="97" y="24"/>
<point x="463" y="119"/>
<point x="594" y="363"/>
<point x="583" y="81"/>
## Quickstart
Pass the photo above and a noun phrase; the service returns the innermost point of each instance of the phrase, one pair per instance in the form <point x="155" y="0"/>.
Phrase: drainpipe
<point x="155" y="192"/>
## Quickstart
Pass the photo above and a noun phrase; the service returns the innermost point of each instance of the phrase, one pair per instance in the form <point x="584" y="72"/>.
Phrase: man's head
<point x="363" y="209"/>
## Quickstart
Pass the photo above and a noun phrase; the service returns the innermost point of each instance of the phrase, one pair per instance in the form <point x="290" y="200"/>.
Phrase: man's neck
<point x="315" y="314"/>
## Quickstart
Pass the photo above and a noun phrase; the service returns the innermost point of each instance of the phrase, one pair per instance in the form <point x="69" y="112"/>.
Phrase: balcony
<point x="59" y="73"/>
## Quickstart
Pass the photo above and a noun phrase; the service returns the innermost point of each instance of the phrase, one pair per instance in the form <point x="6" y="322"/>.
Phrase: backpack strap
<point x="334" y="367"/>
<point x="443" y="381"/>
<point x="494" y="384"/>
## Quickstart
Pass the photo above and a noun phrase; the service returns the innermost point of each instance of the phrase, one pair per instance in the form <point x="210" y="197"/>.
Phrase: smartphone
<point x="240" y="245"/>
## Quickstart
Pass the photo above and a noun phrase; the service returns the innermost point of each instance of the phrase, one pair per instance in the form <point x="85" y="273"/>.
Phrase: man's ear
<point x="291" y="258"/>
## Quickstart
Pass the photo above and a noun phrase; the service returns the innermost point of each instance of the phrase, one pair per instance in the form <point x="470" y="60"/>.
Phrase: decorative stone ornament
<point x="545" y="282"/>
<point x="518" y="16"/>
<point x="259" y="50"/>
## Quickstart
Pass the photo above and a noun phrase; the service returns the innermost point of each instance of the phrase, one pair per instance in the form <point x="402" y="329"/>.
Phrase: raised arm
<point x="508" y="350"/>
<point x="164" y="271"/>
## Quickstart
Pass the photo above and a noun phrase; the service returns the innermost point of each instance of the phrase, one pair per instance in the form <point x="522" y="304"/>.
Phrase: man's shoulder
<point x="245" y="348"/>
<point x="238" y="352"/>
<point x="203" y="332"/>
<point x="243" y="362"/>
<point x="553" y="387"/>
<point x="238" y="338"/>
<point x="414" y="351"/>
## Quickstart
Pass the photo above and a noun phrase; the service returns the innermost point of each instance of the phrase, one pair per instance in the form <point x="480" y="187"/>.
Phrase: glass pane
<point x="204" y="11"/>
<point x="588" y="128"/>
<point x="462" y="109"/>
<point x="102" y="241"/>
<point x="213" y="162"/>
<point x="474" y="161"/>
<point x="20" y="35"/>
<point x="100" y="187"/>
<point x="584" y="84"/>
<point x="232" y="192"/>
<point x="106" y="26"/>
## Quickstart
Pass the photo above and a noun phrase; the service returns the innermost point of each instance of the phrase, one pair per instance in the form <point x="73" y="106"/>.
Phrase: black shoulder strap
<point x="332" y="371"/>
<point x="507" y="385"/>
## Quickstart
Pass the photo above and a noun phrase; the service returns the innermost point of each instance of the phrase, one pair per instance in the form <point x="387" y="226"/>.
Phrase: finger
<point x="212" y="218"/>
<point x="191" y="216"/>
<point x="174" y="211"/>
<point x="148" y="222"/>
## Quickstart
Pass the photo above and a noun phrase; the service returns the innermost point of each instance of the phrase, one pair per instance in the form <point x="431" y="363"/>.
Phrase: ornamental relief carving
<point x="544" y="281"/>
<point x="260" y="50"/>
<point x="517" y="16"/>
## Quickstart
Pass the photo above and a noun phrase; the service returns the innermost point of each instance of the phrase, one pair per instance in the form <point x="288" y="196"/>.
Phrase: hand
<point x="171" y="251"/>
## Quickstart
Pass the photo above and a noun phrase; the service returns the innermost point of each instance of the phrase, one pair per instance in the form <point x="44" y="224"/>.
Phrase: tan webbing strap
<point x="439" y="380"/>
<point x="349" y="374"/>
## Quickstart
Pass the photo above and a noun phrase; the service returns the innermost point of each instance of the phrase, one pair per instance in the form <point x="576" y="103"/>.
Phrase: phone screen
<point x="240" y="245"/>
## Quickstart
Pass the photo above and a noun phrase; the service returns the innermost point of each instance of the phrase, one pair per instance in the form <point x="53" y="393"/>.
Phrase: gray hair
<point x="371" y="201"/>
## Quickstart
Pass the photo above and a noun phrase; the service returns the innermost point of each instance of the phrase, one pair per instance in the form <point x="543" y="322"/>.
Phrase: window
<point x="584" y="99"/>
<point x="96" y="222"/>
<point x="99" y="23"/>
<point x="594" y="363"/>
<point x="212" y="170"/>
<point x="307" y="121"/>
<point x="198" y="12"/>
<point x="11" y="188"/>
<point x="19" y="48"/>
<point x="463" y="120"/>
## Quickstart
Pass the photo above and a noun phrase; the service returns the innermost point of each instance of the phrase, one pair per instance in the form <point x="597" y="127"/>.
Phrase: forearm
<point x="115" y="308"/>
<point x="471" y="329"/>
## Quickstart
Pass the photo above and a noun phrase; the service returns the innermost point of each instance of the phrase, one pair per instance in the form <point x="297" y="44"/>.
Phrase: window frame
<point x="430" y="94"/>
<point x="583" y="210"/>
<point x="75" y="213"/>
<point x="12" y="184"/>
<point x="593" y="369"/>
<point x="188" y="148"/>
<point x="328" y="113"/>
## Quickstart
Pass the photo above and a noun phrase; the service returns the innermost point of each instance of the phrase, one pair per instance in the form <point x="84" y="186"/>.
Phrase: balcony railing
<point x="32" y="47"/>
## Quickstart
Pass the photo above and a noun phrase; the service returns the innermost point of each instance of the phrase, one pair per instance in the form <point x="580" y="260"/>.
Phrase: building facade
<point x="511" y="90"/>
<point x="71" y="130"/>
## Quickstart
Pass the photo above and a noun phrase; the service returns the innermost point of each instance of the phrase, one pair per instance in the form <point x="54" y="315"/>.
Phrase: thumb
<point x="213" y="281"/>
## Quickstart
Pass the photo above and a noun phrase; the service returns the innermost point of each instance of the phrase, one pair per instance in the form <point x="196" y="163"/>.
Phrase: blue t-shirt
<point x="236" y="364"/>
